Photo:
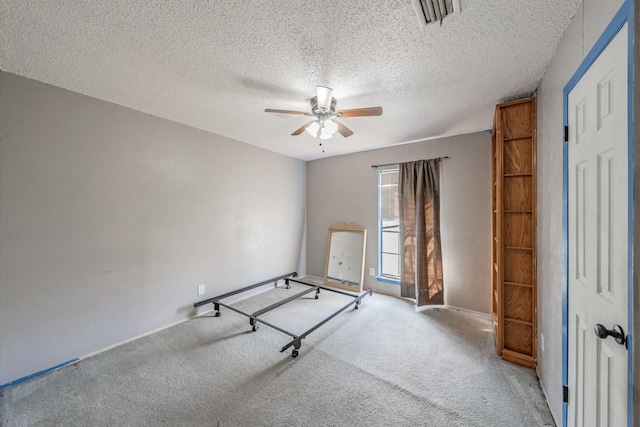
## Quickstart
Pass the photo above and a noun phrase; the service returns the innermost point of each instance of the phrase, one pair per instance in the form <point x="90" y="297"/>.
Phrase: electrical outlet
<point x="372" y="271"/>
<point x="541" y="342"/>
<point x="201" y="289"/>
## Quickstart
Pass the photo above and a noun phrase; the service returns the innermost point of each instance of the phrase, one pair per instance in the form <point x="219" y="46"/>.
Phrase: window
<point x="388" y="226"/>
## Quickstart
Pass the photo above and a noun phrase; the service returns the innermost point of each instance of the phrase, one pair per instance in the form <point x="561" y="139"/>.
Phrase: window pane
<point x="388" y="217"/>
<point x="384" y="178"/>
<point x="390" y="242"/>
<point x="390" y="265"/>
<point x="389" y="203"/>
<point x="389" y="196"/>
<point x="393" y="177"/>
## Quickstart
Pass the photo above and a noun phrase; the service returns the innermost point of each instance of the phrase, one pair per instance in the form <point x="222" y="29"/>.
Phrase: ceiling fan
<point x="323" y="108"/>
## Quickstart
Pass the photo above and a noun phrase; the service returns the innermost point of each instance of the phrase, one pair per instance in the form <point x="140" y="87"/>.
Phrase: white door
<point x="598" y="239"/>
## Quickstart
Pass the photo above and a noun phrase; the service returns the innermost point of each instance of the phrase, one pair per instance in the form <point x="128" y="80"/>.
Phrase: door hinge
<point x="565" y="394"/>
<point x="566" y="134"/>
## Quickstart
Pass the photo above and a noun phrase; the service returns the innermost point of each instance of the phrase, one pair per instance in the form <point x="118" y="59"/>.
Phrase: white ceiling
<point x="216" y="65"/>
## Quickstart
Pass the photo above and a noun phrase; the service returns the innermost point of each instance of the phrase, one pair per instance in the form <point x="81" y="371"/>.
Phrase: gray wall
<point x="636" y="210"/>
<point x="344" y="188"/>
<point x="110" y="218"/>
<point x="590" y="20"/>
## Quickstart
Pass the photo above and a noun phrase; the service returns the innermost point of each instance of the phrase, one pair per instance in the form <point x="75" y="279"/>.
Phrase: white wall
<point x="590" y="20"/>
<point x="344" y="189"/>
<point x="110" y="218"/>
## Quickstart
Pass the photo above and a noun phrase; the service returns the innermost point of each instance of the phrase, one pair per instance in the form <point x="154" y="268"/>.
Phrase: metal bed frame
<point x="254" y="319"/>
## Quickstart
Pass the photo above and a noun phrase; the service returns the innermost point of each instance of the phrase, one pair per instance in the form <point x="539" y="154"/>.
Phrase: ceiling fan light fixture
<point x="330" y="126"/>
<point x="323" y="129"/>
<point x="325" y="135"/>
<point x="313" y="129"/>
<point x="324" y="97"/>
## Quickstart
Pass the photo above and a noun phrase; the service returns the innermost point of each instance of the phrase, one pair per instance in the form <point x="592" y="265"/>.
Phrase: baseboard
<point x="477" y="313"/>
<point x="137" y="337"/>
<point x="546" y="396"/>
<point x="36" y="374"/>
<point x="452" y="307"/>
<point x="255" y="292"/>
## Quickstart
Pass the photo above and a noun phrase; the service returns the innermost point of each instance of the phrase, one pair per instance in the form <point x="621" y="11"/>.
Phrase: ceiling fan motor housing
<point x="320" y="111"/>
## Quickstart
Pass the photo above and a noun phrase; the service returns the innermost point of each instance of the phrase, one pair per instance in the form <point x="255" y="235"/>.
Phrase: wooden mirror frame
<point x="352" y="228"/>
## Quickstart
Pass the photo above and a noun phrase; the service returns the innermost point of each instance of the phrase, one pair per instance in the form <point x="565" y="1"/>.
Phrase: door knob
<point x="616" y="332"/>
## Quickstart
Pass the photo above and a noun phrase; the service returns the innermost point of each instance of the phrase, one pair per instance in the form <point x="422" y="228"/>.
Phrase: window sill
<point x="387" y="280"/>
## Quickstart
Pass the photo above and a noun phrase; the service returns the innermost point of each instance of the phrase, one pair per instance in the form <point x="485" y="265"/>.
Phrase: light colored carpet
<point x="385" y="364"/>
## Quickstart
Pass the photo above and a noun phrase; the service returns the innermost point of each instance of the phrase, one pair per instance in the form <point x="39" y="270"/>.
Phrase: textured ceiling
<point x="216" y="65"/>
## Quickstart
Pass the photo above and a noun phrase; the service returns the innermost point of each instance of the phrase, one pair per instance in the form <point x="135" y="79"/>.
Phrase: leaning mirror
<point x="344" y="267"/>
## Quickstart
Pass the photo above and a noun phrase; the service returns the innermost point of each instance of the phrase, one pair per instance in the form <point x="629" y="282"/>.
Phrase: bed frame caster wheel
<point x="357" y="306"/>
<point x="217" y="314"/>
<point x="294" y="353"/>
<point x="254" y="328"/>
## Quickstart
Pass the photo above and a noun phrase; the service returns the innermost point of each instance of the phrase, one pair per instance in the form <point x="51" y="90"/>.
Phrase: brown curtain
<point x="421" y="252"/>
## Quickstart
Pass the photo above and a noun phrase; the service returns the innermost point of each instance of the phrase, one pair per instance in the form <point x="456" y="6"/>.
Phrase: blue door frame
<point x="623" y="16"/>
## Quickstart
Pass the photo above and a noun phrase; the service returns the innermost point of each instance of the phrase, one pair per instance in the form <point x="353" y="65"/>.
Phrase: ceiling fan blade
<point x="361" y="112"/>
<point x="343" y="130"/>
<point x="271" y="110"/>
<point x="302" y="128"/>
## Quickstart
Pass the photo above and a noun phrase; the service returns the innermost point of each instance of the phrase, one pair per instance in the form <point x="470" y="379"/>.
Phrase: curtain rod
<point x="392" y="164"/>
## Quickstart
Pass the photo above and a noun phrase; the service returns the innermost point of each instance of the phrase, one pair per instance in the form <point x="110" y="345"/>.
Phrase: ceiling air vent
<point x="429" y="11"/>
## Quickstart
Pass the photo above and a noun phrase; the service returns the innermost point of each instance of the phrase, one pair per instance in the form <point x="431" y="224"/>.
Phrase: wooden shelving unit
<point x="513" y="281"/>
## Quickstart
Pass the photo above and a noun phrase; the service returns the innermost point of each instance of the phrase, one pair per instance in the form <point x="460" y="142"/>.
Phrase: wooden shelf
<point x="524" y="285"/>
<point x="522" y="322"/>
<point x="516" y="248"/>
<point x="513" y="298"/>
<point x="519" y="358"/>
<point x="515" y="138"/>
